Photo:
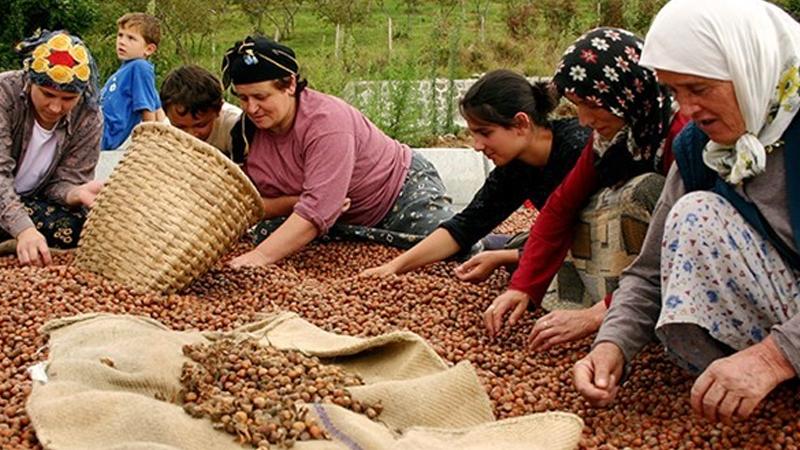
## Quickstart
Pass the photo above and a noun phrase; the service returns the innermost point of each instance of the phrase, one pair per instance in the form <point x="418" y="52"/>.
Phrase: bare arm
<point x="436" y="247"/>
<point x="279" y="206"/>
<point x="290" y="237"/>
<point x="153" y="116"/>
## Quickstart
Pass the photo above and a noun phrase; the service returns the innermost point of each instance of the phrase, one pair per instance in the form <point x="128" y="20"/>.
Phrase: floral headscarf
<point x="602" y="67"/>
<point x="752" y="43"/>
<point x="61" y="61"/>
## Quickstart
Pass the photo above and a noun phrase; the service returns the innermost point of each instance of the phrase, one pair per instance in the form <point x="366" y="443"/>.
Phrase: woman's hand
<point x="253" y="258"/>
<point x="734" y="386"/>
<point x="596" y="376"/>
<point x="510" y="299"/>
<point x="480" y="266"/>
<point x="84" y="194"/>
<point x="32" y="248"/>
<point x="381" y="271"/>
<point x="565" y="325"/>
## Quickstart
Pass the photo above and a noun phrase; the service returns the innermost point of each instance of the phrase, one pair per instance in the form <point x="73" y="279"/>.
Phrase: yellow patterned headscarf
<point x="59" y="60"/>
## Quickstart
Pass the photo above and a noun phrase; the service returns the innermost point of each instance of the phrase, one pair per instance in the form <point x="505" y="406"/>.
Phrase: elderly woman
<point x="319" y="161"/>
<point x="718" y="278"/>
<point x="634" y="120"/>
<point x="50" y="129"/>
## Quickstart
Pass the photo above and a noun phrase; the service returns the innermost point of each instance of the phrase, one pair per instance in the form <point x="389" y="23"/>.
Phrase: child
<point x="130" y="95"/>
<point x="192" y="100"/>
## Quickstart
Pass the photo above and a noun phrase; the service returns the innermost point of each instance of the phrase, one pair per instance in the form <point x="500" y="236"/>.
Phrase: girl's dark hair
<point x="500" y="94"/>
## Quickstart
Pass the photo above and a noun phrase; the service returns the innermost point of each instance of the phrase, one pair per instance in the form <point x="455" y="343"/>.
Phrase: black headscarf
<point x="257" y="59"/>
<point x="602" y="67"/>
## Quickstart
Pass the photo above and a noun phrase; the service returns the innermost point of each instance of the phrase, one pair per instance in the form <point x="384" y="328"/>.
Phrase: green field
<point x="448" y="39"/>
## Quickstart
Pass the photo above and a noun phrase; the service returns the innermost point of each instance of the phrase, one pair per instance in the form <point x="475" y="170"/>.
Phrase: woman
<point x="50" y="129"/>
<point x="319" y="161"/>
<point x="509" y="122"/>
<point x="634" y="121"/>
<point x="718" y="278"/>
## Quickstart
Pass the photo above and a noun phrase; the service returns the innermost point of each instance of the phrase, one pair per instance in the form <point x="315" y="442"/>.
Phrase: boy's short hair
<point x="148" y="26"/>
<point x="193" y="89"/>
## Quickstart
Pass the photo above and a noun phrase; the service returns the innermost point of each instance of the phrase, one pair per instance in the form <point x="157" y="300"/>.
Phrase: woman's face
<point x="500" y="144"/>
<point x="50" y="105"/>
<point x="595" y="117"/>
<point x="268" y="106"/>
<point x="710" y="103"/>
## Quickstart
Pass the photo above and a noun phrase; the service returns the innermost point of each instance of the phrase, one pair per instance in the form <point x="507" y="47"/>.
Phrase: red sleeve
<point x="552" y="233"/>
<point x="678" y="122"/>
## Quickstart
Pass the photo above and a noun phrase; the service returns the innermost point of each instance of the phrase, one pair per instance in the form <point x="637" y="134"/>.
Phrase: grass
<point x="431" y="41"/>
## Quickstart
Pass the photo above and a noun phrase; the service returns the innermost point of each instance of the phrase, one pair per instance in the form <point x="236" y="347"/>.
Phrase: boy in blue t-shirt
<point x="130" y="94"/>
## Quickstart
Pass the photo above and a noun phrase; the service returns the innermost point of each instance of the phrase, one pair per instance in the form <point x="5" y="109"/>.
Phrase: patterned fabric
<point x="60" y="225"/>
<point x="602" y="68"/>
<point x="755" y="45"/>
<point x="717" y="272"/>
<point x="60" y="61"/>
<point x="421" y="206"/>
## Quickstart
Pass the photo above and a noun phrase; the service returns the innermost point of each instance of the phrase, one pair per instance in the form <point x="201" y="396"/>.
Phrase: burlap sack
<point x="86" y="404"/>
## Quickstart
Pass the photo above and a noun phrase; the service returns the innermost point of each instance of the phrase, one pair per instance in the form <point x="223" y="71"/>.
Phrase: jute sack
<point x="87" y="404"/>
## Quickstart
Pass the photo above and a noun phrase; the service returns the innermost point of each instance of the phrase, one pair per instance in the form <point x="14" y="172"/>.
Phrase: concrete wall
<point x="462" y="170"/>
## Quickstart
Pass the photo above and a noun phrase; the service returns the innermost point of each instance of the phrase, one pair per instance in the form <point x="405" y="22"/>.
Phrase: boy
<point x="192" y="100"/>
<point x="130" y="95"/>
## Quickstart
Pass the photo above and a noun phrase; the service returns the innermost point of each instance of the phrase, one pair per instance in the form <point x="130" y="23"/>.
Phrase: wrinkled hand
<point x="85" y="194"/>
<point x="479" y="267"/>
<point x="563" y="326"/>
<point x="596" y="376"/>
<point x="733" y="387"/>
<point x="508" y="300"/>
<point x="32" y="248"/>
<point x="253" y="258"/>
<point x="382" y="271"/>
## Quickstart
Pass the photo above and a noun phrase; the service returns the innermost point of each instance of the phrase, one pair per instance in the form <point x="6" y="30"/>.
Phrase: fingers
<point x="711" y="401"/>
<point x="44" y="252"/>
<point x="547" y="338"/>
<point x="500" y="312"/>
<point x="23" y="255"/>
<point x="584" y="379"/>
<point x="464" y="270"/>
<point x="517" y="313"/>
<point x="727" y="408"/>
<point x="488" y="320"/>
<point x="746" y="408"/>
<point x="699" y="389"/>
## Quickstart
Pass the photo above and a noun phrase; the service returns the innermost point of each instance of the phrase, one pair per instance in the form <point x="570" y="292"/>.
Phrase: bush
<point x="21" y="18"/>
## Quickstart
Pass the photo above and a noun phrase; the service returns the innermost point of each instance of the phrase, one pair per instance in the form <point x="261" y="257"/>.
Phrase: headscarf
<point x="752" y="43"/>
<point x="256" y="59"/>
<point x="602" y="67"/>
<point x="60" y="61"/>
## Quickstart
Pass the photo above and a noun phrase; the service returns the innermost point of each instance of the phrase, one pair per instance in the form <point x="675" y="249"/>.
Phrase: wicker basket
<point x="169" y="211"/>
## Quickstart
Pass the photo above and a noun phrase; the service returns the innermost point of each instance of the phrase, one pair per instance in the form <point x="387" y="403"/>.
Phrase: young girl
<point x="508" y="118"/>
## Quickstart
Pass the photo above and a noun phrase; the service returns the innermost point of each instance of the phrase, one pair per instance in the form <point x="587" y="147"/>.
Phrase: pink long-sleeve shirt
<point x="332" y="152"/>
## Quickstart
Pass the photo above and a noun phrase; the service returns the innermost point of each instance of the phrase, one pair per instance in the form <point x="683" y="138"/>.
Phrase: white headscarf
<point x="752" y="43"/>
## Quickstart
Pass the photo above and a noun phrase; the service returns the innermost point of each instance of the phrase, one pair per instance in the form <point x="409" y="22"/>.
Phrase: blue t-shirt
<point x="128" y="92"/>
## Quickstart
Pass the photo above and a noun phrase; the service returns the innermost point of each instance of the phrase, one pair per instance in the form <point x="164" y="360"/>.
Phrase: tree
<point x="280" y="13"/>
<point x="21" y="18"/>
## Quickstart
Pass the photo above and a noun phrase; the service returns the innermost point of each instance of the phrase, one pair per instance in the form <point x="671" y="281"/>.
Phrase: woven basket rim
<point x="188" y="139"/>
